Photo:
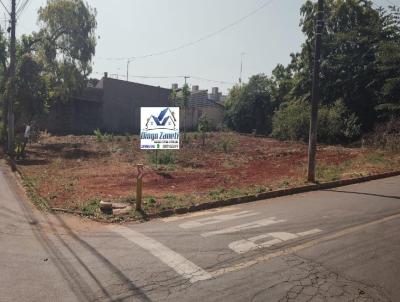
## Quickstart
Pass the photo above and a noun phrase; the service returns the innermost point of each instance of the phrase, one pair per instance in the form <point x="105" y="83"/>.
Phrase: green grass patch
<point x="92" y="207"/>
<point x="162" y="157"/>
<point x="326" y="172"/>
<point x="40" y="202"/>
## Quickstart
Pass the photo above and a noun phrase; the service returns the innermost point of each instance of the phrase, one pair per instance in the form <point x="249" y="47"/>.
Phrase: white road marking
<point x="215" y="219"/>
<point x="181" y="265"/>
<point x="246" y="226"/>
<point x="247" y="245"/>
<point x="310" y="232"/>
<point x="197" y="214"/>
<point x="300" y="247"/>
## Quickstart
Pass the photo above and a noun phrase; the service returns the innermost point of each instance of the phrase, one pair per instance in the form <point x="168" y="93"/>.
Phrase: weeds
<point x="92" y="207"/>
<point x="162" y="157"/>
<point x="103" y="137"/>
<point x="225" y="145"/>
<point x="327" y="172"/>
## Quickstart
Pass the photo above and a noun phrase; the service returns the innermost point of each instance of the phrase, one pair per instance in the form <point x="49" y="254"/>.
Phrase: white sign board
<point x="159" y="128"/>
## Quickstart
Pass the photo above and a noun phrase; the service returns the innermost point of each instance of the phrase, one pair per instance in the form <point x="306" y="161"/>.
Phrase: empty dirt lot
<point x="73" y="172"/>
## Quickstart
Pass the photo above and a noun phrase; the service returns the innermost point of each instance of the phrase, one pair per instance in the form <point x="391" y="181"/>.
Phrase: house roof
<point x="132" y="85"/>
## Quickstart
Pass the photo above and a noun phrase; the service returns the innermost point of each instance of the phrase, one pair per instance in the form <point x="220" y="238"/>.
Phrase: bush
<point x="335" y="123"/>
<point x="204" y="126"/>
<point x="291" y="121"/>
<point x="99" y="136"/>
<point x="162" y="157"/>
<point x="225" y="145"/>
<point x="386" y="136"/>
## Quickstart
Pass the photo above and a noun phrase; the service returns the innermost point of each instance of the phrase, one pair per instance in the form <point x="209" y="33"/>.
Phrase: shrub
<point x="335" y="123"/>
<point x="386" y="136"/>
<point x="225" y="145"/>
<point x="99" y="136"/>
<point x="291" y="121"/>
<point x="162" y="157"/>
<point x="204" y="126"/>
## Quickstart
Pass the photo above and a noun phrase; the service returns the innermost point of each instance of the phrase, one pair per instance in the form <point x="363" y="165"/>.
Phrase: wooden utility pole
<point x="11" y="95"/>
<point x="312" y="146"/>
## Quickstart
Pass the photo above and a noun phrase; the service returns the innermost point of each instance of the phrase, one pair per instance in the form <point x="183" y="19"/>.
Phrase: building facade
<point x="113" y="106"/>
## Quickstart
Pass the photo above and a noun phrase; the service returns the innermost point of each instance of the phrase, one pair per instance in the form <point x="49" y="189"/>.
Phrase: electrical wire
<point x="169" y="77"/>
<point x="203" y="38"/>
<point x="21" y="8"/>
<point x="5" y="7"/>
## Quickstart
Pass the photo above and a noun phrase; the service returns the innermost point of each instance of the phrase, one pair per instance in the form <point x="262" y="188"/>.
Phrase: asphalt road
<point x="334" y="245"/>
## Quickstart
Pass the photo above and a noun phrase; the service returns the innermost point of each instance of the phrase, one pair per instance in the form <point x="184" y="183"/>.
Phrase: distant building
<point x="200" y="104"/>
<point x="113" y="106"/>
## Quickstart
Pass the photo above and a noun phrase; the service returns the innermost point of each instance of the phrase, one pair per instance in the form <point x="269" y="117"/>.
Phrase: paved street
<point x="335" y="245"/>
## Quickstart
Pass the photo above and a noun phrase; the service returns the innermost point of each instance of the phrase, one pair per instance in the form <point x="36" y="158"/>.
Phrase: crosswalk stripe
<point x="246" y="226"/>
<point x="216" y="219"/>
<point x="177" y="262"/>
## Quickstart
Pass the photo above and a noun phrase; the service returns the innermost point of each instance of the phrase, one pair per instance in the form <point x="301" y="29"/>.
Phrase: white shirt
<point x="27" y="131"/>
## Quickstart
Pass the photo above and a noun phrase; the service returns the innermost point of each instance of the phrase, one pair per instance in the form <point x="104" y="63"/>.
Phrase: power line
<point x="21" y="8"/>
<point x="208" y="36"/>
<point x="170" y="77"/>
<point x="5" y="7"/>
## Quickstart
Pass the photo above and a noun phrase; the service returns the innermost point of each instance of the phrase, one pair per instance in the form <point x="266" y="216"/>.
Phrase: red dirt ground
<point x="70" y="170"/>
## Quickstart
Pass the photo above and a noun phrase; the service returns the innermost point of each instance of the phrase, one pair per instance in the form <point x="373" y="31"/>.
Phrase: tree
<point x="53" y="63"/>
<point x="172" y="97"/>
<point x="204" y="127"/>
<point x="32" y="95"/>
<point x="388" y="62"/>
<point x="251" y="106"/>
<point x="185" y="104"/>
<point x="3" y="79"/>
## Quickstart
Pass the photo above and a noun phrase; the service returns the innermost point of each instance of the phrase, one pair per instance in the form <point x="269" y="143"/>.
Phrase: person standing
<point x="27" y="135"/>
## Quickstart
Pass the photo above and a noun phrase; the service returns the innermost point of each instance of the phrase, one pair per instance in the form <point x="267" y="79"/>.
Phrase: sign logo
<point x="165" y="120"/>
<point x="159" y="128"/>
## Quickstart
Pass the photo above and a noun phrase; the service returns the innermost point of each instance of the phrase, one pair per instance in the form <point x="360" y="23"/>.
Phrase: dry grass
<point x="75" y="172"/>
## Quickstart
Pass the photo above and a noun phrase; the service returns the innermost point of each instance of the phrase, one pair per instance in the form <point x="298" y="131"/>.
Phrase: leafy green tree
<point x="335" y="122"/>
<point x="352" y="31"/>
<point x="185" y="105"/>
<point x="32" y="94"/>
<point x="251" y="106"/>
<point x="388" y="62"/>
<point x="172" y="97"/>
<point x="204" y="126"/>
<point x="53" y="63"/>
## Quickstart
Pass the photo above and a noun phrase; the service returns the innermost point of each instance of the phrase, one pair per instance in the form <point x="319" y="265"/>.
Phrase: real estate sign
<point x="159" y="128"/>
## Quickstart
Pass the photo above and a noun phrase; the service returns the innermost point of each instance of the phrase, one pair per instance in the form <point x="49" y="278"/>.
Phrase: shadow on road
<point x="362" y="193"/>
<point x="76" y="281"/>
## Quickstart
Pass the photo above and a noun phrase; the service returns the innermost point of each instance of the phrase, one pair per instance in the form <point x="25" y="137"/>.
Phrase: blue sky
<point x="128" y="28"/>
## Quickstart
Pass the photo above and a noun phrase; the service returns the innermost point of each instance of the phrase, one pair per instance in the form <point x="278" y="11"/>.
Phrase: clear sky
<point x="129" y="28"/>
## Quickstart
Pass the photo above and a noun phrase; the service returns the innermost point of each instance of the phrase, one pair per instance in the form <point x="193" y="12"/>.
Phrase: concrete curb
<point x="272" y="194"/>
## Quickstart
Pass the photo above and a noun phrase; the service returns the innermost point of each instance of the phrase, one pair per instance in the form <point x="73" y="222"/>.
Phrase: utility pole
<point x="241" y="68"/>
<point x="127" y="69"/>
<point x="186" y="77"/>
<point x="11" y="99"/>
<point x="312" y="145"/>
